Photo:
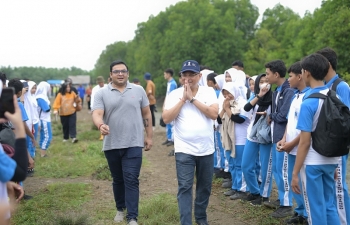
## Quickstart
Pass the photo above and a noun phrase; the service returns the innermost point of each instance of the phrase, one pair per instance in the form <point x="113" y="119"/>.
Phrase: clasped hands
<point x="187" y="94"/>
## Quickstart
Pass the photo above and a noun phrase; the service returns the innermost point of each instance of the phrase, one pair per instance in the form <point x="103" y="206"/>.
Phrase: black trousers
<point x="69" y="126"/>
<point x="152" y="107"/>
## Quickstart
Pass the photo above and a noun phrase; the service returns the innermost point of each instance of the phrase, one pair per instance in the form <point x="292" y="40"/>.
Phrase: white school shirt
<point x="93" y="93"/>
<point x="293" y="115"/>
<point x="193" y="131"/>
<point x="241" y="128"/>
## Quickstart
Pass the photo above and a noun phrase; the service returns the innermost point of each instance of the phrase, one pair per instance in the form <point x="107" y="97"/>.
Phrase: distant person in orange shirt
<point x="88" y="96"/>
<point x="151" y="94"/>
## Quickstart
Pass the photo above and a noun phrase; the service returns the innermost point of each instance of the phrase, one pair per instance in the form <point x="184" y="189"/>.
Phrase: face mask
<point x="261" y="86"/>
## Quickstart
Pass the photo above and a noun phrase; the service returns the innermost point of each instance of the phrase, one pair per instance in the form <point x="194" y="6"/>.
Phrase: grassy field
<point x="73" y="187"/>
<point x="68" y="198"/>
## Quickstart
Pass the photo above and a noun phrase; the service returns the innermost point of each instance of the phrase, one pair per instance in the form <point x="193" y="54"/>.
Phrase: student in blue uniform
<point x="281" y="99"/>
<point x="316" y="171"/>
<point x="290" y="140"/>
<point x="342" y="90"/>
<point x="235" y="121"/>
<point x="260" y="107"/>
<point x="44" y="116"/>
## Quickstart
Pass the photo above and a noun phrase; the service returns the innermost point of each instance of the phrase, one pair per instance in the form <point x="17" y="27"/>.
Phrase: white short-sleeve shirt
<point x="193" y="131"/>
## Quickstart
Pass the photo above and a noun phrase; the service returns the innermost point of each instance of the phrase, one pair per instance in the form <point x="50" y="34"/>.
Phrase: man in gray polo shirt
<point x="121" y="112"/>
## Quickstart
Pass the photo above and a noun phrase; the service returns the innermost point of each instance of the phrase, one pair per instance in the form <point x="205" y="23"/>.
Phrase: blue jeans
<point x="125" y="166"/>
<point x="169" y="132"/>
<point x="186" y="167"/>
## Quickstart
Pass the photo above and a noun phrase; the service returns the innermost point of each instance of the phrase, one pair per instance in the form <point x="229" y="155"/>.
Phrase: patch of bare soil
<point x="158" y="175"/>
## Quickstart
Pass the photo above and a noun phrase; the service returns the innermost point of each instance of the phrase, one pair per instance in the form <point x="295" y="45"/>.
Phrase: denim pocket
<point x="134" y="152"/>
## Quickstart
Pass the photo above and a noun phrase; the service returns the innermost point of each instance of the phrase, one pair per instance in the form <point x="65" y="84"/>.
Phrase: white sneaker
<point x="132" y="222"/>
<point x="119" y="217"/>
<point x="74" y="140"/>
<point x="65" y="140"/>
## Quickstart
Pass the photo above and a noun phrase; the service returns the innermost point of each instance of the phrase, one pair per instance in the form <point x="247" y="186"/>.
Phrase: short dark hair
<point x="211" y="77"/>
<point x="330" y="55"/>
<point x="169" y="71"/>
<point x="238" y="63"/>
<point x="295" y="68"/>
<point x="203" y="67"/>
<point x="3" y="77"/>
<point x="135" y="80"/>
<point x="317" y="65"/>
<point x="277" y="66"/>
<point x="117" y="62"/>
<point x="64" y="87"/>
<point x="16" y="84"/>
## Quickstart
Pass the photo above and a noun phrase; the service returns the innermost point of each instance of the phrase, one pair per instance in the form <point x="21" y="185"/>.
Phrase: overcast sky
<point x="69" y="33"/>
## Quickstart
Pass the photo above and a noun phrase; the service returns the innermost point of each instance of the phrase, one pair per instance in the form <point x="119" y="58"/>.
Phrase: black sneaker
<point x="238" y="195"/>
<point x="172" y="153"/>
<point x="282" y="211"/>
<point x="296" y="219"/>
<point x="229" y="192"/>
<point x="227" y="185"/>
<point x="227" y="180"/>
<point x="259" y="201"/>
<point x="170" y="143"/>
<point x="27" y="197"/>
<point x="250" y="197"/>
<point x="273" y="205"/>
<point x="30" y="172"/>
<point x="165" y="142"/>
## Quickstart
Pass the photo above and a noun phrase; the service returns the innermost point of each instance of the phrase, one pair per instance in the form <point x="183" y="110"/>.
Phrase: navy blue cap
<point x="147" y="76"/>
<point x="190" y="65"/>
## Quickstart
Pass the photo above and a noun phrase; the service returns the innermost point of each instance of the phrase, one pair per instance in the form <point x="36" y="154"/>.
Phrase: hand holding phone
<point x="6" y="102"/>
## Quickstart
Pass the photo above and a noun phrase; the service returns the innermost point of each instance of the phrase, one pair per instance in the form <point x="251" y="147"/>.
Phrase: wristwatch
<point x="192" y="100"/>
<point x="257" y="96"/>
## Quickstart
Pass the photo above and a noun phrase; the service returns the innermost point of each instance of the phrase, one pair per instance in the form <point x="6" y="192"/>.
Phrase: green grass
<point x="56" y="203"/>
<point x="159" y="209"/>
<point x="72" y="160"/>
<point x="84" y="158"/>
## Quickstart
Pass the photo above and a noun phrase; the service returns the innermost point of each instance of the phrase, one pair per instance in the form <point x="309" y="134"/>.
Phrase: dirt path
<point x="157" y="176"/>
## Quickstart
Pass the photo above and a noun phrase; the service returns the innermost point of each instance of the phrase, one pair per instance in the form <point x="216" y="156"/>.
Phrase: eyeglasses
<point x="189" y="75"/>
<point x="119" y="72"/>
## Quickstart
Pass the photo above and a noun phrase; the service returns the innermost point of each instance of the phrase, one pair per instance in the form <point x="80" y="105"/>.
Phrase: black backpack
<point x="335" y="84"/>
<point x="332" y="134"/>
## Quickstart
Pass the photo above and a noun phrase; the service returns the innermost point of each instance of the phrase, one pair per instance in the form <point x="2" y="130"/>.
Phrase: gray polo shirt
<point x="122" y="113"/>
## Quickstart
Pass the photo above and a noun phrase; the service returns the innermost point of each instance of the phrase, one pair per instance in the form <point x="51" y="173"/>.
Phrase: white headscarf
<point x="220" y="80"/>
<point x="203" y="80"/>
<point x="42" y="91"/>
<point x="238" y="91"/>
<point x="31" y="105"/>
<point x="237" y="76"/>
<point x="252" y="78"/>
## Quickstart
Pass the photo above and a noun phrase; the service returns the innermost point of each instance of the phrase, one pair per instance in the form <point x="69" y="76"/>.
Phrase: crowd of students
<point x="263" y="135"/>
<point x="30" y="122"/>
<point x="260" y="135"/>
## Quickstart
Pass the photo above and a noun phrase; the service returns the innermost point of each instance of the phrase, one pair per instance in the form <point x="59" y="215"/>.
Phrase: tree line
<point x="218" y="32"/>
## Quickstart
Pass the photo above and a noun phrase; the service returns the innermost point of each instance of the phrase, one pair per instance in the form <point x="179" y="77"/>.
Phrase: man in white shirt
<point x="100" y="84"/>
<point x="192" y="108"/>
